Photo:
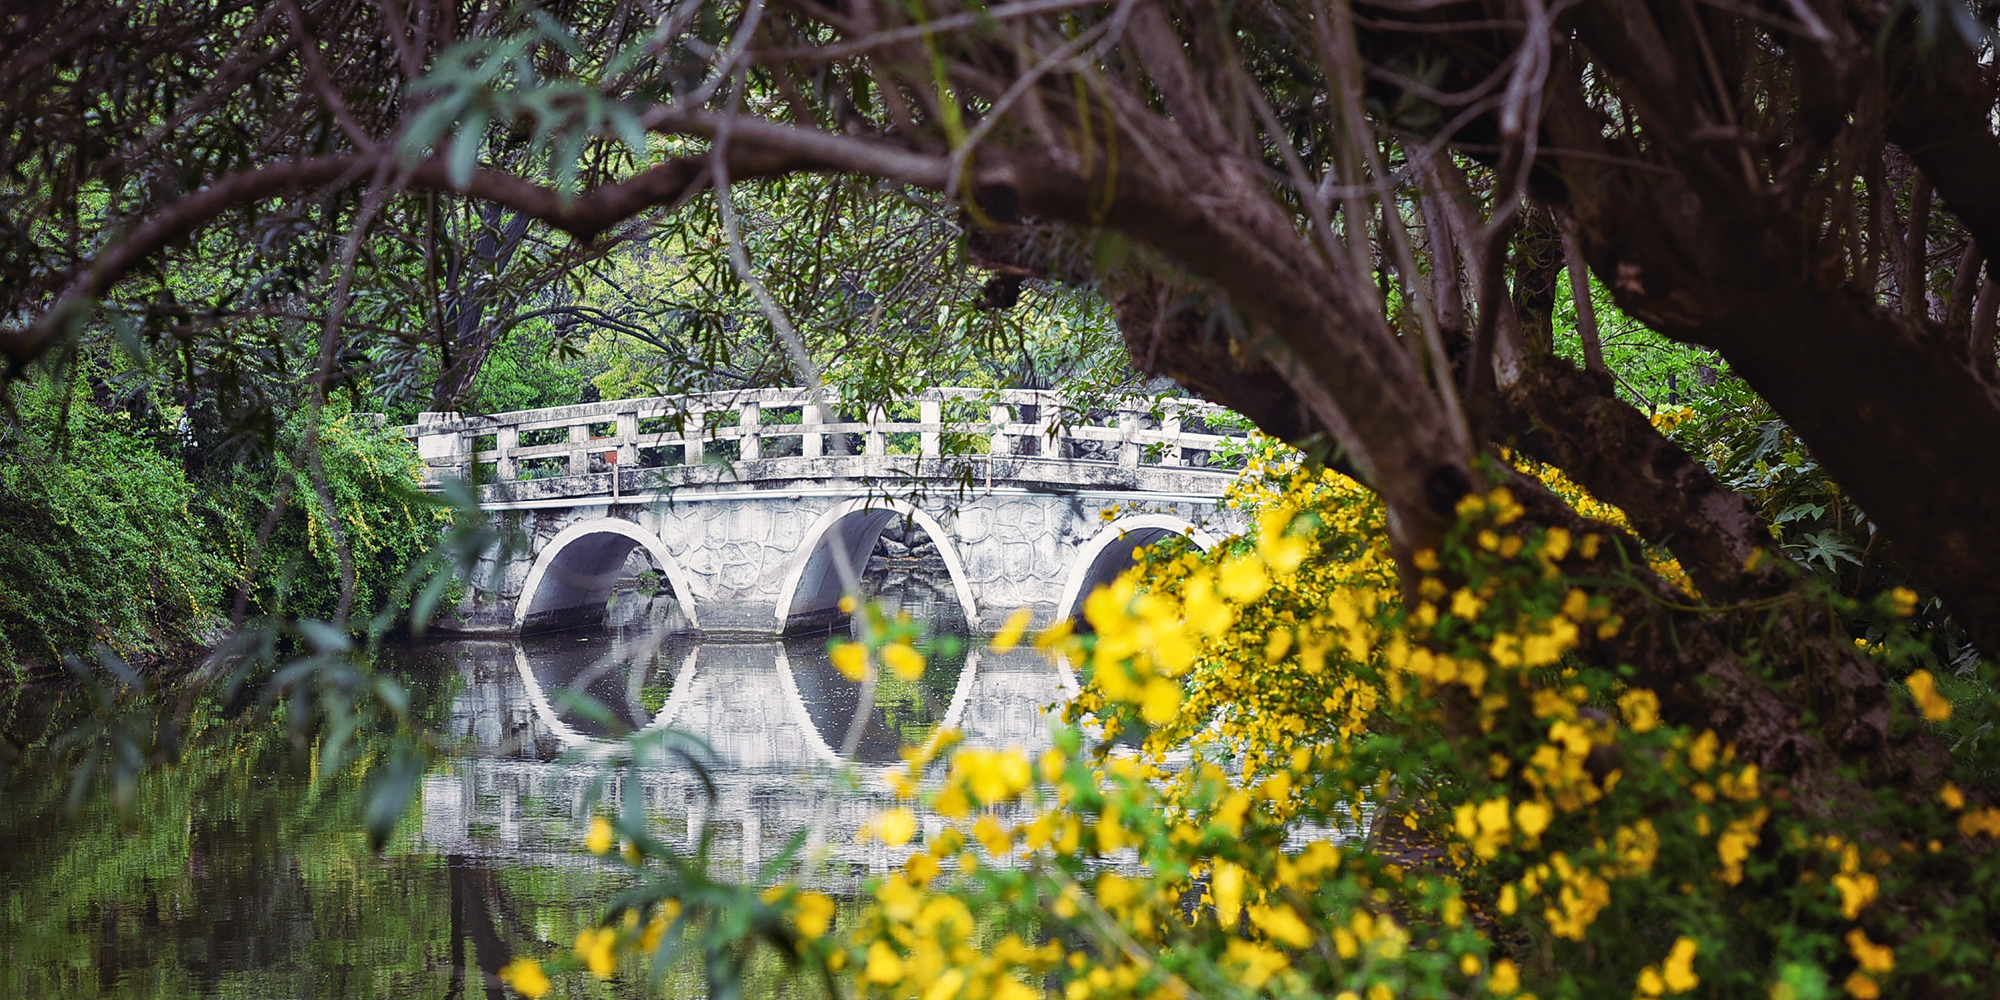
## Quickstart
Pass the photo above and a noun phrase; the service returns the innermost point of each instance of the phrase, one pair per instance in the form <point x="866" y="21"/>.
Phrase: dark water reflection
<point x="246" y="874"/>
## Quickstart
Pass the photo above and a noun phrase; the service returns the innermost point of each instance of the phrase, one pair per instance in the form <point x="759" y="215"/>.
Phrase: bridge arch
<point x="576" y="570"/>
<point x="810" y="594"/>
<point x="569" y="736"/>
<point x="1109" y="553"/>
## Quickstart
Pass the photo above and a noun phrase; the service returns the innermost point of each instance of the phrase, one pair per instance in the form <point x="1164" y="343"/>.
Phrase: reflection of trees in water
<point x="483" y="915"/>
<point x="241" y="871"/>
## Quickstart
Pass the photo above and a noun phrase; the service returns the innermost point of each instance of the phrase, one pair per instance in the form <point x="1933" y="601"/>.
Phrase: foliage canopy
<point x="1350" y="222"/>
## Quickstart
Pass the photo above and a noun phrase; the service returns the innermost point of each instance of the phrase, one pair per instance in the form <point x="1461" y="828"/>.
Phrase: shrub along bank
<point x="113" y="540"/>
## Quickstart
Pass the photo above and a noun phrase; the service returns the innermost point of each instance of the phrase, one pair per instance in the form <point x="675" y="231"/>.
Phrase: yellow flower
<point x="1678" y="969"/>
<point x="851" y="659"/>
<point x="1505" y="978"/>
<point x="1952" y="798"/>
<point x="526" y="977"/>
<point x="1650" y="982"/>
<point x="1243" y="579"/>
<point x="994" y="835"/>
<point x="1873" y="957"/>
<point x="1484" y="825"/>
<point x="884" y="965"/>
<point x="1641" y="708"/>
<point x="812" y="912"/>
<point x="992" y="776"/>
<point x="903" y="661"/>
<point x="1555" y="544"/>
<point x="1903" y="602"/>
<point x="656" y="928"/>
<point x="1861" y="987"/>
<point x="1734" y="846"/>
<point x="1856" y="892"/>
<point x="1258" y="962"/>
<point x="1159" y="700"/>
<point x="595" y="946"/>
<point x="599" y="839"/>
<point x="1282" y="924"/>
<point x="1701" y="753"/>
<point x="847" y="604"/>
<point x="1466" y="606"/>
<point x="1009" y="635"/>
<point x="1935" y="707"/>
<point x="1976" y="821"/>
<point x="895" y="826"/>
<point x="1532" y="818"/>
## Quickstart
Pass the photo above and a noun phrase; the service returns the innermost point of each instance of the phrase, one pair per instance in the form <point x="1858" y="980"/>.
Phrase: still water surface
<point x="245" y="876"/>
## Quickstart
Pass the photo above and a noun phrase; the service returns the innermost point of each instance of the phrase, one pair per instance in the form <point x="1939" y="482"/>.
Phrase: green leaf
<point x="428" y="128"/>
<point x="626" y="124"/>
<point x="390" y="789"/>
<point x="393" y="695"/>
<point x="324" y="637"/>
<point x="425" y="606"/>
<point x="465" y="147"/>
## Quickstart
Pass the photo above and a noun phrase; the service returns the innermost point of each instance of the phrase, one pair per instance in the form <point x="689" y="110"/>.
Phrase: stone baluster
<point x="1129" y="423"/>
<point x="1170" y="426"/>
<point x="1046" y="408"/>
<point x="812" y="444"/>
<point x="930" y="412"/>
<point x="579" y="449"/>
<point x="877" y="442"/>
<point x="749" y="423"/>
<point x="628" y="438"/>
<point x="505" y="440"/>
<point x="444" y="450"/>
<point x="1001" y="416"/>
<point x="691" y="431"/>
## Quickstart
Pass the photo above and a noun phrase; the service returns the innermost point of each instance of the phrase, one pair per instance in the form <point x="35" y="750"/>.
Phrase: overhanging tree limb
<point x="761" y="150"/>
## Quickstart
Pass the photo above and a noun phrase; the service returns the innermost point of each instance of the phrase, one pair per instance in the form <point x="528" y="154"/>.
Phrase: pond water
<point x="244" y="874"/>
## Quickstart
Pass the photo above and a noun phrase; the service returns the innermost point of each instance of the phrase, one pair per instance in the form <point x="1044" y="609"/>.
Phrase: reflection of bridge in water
<point x="774" y="711"/>
<point x="739" y="499"/>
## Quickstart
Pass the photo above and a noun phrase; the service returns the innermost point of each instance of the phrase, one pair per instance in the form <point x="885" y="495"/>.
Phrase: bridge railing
<point x="752" y="424"/>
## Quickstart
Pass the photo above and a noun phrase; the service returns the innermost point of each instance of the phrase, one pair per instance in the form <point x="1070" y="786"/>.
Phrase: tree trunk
<point x="467" y="336"/>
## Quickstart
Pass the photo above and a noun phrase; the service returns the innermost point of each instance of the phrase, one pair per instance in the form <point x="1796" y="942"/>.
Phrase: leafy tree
<point x="1351" y="223"/>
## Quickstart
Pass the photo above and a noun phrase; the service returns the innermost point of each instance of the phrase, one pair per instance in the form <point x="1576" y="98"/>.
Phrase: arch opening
<point x="903" y="556"/>
<point x="1114" y="550"/>
<point x="906" y="571"/>
<point x="604" y="572"/>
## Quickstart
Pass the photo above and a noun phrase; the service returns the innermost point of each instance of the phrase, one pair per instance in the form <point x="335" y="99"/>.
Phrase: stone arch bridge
<point x="739" y="499"/>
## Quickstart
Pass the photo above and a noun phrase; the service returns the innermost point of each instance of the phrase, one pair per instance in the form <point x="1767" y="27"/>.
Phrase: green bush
<point x="372" y="479"/>
<point x="110" y="541"/>
<point x="106" y="541"/>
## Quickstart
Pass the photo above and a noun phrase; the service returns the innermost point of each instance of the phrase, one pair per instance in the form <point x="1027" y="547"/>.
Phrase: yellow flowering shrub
<point x="1336" y="783"/>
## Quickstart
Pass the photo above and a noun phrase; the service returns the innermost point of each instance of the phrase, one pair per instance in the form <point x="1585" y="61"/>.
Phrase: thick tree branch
<point x="1941" y="114"/>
